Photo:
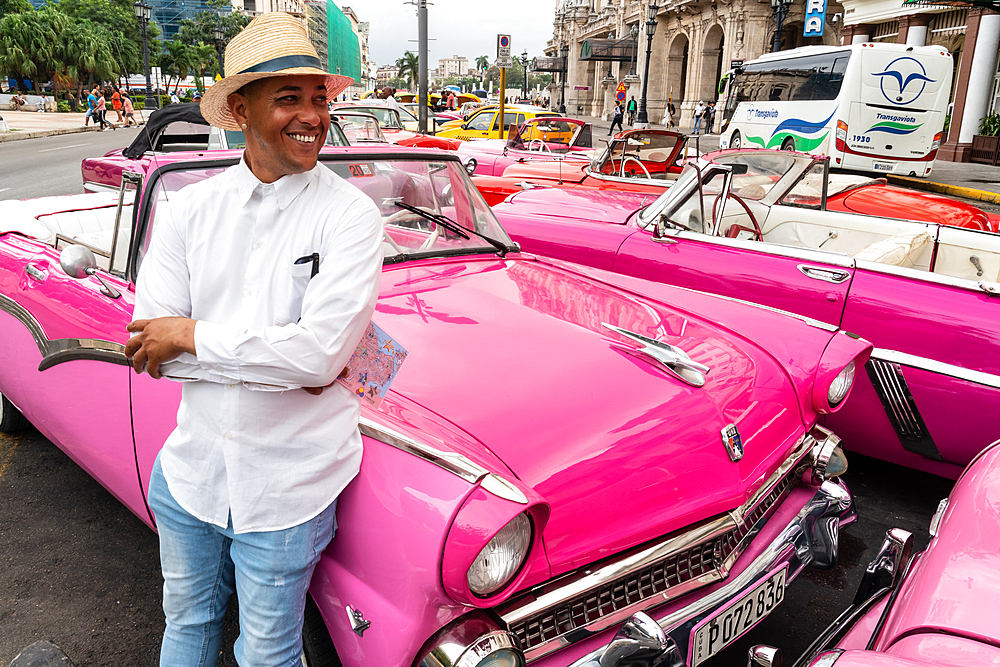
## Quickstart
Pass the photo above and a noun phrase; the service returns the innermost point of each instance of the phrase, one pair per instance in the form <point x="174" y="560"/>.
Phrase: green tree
<point x="123" y="34"/>
<point x="87" y="53"/>
<point x="175" y="62"/>
<point x="14" y="7"/>
<point x="482" y="63"/>
<point x="409" y="67"/>
<point x="28" y="44"/>
<point x="201" y="57"/>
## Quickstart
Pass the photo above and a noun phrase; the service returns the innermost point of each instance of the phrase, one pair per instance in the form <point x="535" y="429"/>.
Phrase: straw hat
<point x="273" y="44"/>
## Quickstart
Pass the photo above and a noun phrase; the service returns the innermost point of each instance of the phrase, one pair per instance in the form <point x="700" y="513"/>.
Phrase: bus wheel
<point x="736" y="142"/>
<point x="788" y="144"/>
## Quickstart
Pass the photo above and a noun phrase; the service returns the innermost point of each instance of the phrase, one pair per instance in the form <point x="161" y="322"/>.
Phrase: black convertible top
<point x="189" y="113"/>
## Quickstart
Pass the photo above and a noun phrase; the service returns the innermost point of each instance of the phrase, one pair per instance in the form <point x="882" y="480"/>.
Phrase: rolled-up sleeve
<point x="336" y="308"/>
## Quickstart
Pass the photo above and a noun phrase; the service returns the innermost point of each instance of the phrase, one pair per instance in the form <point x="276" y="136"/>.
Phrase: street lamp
<point x="220" y="36"/>
<point x="780" y="8"/>
<point x="565" y="67"/>
<point x="143" y="13"/>
<point x="524" y="62"/>
<point x="633" y="33"/>
<point x="643" y="120"/>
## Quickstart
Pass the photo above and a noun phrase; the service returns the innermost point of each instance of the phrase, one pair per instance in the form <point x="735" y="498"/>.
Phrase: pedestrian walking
<point x="254" y="510"/>
<point x="91" y="104"/>
<point x="699" y="112"/>
<point x="128" y="110"/>
<point x="616" y="119"/>
<point x="710" y="115"/>
<point x="100" y="109"/>
<point x="631" y="111"/>
<point x="116" y="102"/>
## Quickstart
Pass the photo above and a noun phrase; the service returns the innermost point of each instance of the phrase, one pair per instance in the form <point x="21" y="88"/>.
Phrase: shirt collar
<point x="286" y="188"/>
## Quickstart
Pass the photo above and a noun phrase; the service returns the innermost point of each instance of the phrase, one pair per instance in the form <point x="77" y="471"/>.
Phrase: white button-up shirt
<point x="249" y="441"/>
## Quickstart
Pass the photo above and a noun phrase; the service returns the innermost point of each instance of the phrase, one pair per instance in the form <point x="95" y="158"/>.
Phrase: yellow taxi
<point x="485" y="122"/>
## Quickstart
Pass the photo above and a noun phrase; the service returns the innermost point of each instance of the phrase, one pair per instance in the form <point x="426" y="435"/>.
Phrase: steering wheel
<point x="735" y="229"/>
<point x="621" y="171"/>
<point x="542" y="146"/>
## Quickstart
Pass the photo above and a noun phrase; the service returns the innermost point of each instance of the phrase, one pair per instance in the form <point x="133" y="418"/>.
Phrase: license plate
<point x="883" y="166"/>
<point x="716" y="633"/>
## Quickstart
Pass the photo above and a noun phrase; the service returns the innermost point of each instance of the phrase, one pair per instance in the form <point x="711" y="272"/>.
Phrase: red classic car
<point x="926" y="294"/>
<point x="630" y="165"/>
<point x="541" y="139"/>
<point x="936" y="608"/>
<point x="392" y="126"/>
<point x="486" y="525"/>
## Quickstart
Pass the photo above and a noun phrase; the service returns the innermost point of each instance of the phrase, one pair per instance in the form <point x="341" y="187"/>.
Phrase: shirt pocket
<point x="299" y="277"/>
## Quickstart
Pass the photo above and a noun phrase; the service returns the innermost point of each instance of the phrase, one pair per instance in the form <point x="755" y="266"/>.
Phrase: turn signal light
<point x="935" y="145"/>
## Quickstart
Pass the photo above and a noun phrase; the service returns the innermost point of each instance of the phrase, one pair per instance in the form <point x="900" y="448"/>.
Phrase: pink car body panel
<point x="526" y="409"/>
<point x="932" y="318"/>
<point x="944" y="611"/>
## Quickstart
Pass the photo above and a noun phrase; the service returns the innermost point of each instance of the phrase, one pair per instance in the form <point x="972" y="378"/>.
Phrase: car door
<point x="478" y="126"/>
<point x="678" y="245"/>
<point x="936" y="365"/>
<point x="64" y="340"/>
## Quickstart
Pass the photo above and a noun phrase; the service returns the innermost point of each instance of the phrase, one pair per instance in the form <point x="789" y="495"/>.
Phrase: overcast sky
<point x="455" y="27"/>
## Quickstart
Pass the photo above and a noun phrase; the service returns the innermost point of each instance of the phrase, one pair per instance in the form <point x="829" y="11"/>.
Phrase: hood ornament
<point x="670" y="358"/>
<point x="358" y="622"/>
<point x="733" y="442"/>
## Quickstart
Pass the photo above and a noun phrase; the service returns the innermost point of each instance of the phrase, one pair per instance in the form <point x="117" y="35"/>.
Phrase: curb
<point x="41" y="654"/>
<point x="944" y="188"/>
<point x="16" y="136"/>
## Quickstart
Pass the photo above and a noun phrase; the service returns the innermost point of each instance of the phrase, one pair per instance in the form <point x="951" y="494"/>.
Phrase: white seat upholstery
<point x="899" y="250"/>
<point x="93" y="223"/>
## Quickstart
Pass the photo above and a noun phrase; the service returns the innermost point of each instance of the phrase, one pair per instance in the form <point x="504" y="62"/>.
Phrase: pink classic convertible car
<point x="487" y="525"/>
<point x="542" y="139"/>
<point x="925" y="294"/>
<point x="936" y="608"/>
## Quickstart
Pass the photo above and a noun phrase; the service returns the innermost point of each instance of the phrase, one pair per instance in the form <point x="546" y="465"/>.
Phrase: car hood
<point x="595" y="205"/>
<point x="514" y="353"/>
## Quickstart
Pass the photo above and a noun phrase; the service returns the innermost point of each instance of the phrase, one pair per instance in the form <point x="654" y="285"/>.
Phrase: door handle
<point x="834" y="276"/>
<point x="38" y="274"/>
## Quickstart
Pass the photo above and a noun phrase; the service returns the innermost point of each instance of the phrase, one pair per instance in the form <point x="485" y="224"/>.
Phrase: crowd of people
<point x="98" y="100"/>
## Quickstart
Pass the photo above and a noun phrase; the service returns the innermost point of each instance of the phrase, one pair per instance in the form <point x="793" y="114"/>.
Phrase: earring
<point x="244" y="126"/>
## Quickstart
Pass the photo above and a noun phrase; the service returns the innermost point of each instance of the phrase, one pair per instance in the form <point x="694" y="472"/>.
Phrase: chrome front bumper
<point x="810" y="538"/>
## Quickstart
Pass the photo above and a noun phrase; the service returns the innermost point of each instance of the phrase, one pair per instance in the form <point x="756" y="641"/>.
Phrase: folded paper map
<point x="373" y="365"/>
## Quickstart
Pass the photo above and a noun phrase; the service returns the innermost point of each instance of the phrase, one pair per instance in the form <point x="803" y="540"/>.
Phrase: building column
<point x="860" y="32"/>
<point x="913" y="29"/>
<point x="975" y="83"/>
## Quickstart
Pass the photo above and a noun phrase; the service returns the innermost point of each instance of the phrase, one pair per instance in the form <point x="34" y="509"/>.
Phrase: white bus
<point x="870" y="107"/>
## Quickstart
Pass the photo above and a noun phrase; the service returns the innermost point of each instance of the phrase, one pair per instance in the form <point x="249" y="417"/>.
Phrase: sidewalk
<point x="31" y="124"/>
<point x="958" y="179"/>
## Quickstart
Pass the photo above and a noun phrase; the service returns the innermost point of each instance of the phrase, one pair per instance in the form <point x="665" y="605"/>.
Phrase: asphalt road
<point x="79" y="570"/>
<point x="51" y="165"/>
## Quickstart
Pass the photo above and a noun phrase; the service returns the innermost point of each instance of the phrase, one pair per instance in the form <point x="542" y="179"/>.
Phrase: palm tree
<point x="482" y="62"/>
<point x="175" y="62"/>
<point x="201" y="57"/>
<point x="28" y="42"/>
<point x="409" y="67"/>
<point x="14" y="56"/>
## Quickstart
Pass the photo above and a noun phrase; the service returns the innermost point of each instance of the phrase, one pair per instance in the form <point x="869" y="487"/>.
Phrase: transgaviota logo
<point x="903" y="80"/>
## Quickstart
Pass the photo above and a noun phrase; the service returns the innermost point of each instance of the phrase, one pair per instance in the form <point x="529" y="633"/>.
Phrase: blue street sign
<point x="815" y="18"/>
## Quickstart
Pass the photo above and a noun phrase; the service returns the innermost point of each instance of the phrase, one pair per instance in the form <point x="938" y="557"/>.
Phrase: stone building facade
<point x="971" y="35"/>
<point x="693" y="46"/>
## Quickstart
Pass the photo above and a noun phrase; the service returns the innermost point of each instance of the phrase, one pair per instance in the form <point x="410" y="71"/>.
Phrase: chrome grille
<point x="894" y="393"/>
<point x="667" y="578"/>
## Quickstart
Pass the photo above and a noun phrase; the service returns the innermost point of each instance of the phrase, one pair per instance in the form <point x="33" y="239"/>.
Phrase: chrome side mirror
<point x="764" y="656"/>
<point x="79" y="262"/>
<point x="886" y="569"/>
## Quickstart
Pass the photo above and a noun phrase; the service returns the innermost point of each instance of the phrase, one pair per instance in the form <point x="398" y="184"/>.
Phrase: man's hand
<point x="316" y="391"/>
<point x="159" y="340"/>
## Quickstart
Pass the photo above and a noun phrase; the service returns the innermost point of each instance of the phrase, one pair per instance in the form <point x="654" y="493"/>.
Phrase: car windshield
<point x="546" y="135"/>
<point x="386" y="117"/>
<point x="428" y="207"/>
<point x="641" y="155"/>
<point x="685" y="206"/>
<point x="359" y="128"/>
<point x="764" y="170"/>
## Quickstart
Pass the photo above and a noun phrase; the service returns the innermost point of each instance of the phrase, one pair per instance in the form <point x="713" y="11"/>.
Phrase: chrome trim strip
<point x="456" y="464"/>
<point x="939" y="367"/>
<point x="802" y="318"/>
<point x="926" y="276"/>
<point x="769" y="248"/>
<point x="583" y="580"/>
<point x="61" y="350"/>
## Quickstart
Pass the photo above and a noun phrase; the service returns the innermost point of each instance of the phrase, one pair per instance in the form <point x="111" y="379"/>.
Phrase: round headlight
<point x="841" y="385"/>
<point x="501" y="558"/>
<point x="470" y="166"/>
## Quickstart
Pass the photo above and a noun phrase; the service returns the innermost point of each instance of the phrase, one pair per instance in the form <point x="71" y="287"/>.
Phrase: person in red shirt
<point x="116" y="102"/>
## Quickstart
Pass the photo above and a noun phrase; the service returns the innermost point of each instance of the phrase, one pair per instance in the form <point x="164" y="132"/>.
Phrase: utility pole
<point x="422" y="98"/>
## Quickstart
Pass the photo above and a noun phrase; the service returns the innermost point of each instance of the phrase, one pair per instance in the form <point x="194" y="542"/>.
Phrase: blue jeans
<point x="202" y="564"/>
<point x="697" y="124"/>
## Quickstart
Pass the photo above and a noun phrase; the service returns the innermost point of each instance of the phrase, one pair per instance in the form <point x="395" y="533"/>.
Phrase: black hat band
<point x="284" y="62"/>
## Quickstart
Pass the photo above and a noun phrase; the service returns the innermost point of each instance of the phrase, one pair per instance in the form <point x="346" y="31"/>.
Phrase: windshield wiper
<point x="454" y="227"/>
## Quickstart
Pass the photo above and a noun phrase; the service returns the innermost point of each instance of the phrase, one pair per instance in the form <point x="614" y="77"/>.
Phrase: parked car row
<point x="699" y="348"/>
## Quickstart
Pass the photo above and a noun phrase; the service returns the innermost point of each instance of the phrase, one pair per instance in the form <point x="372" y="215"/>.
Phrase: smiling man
<point x="255" y="292"/>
